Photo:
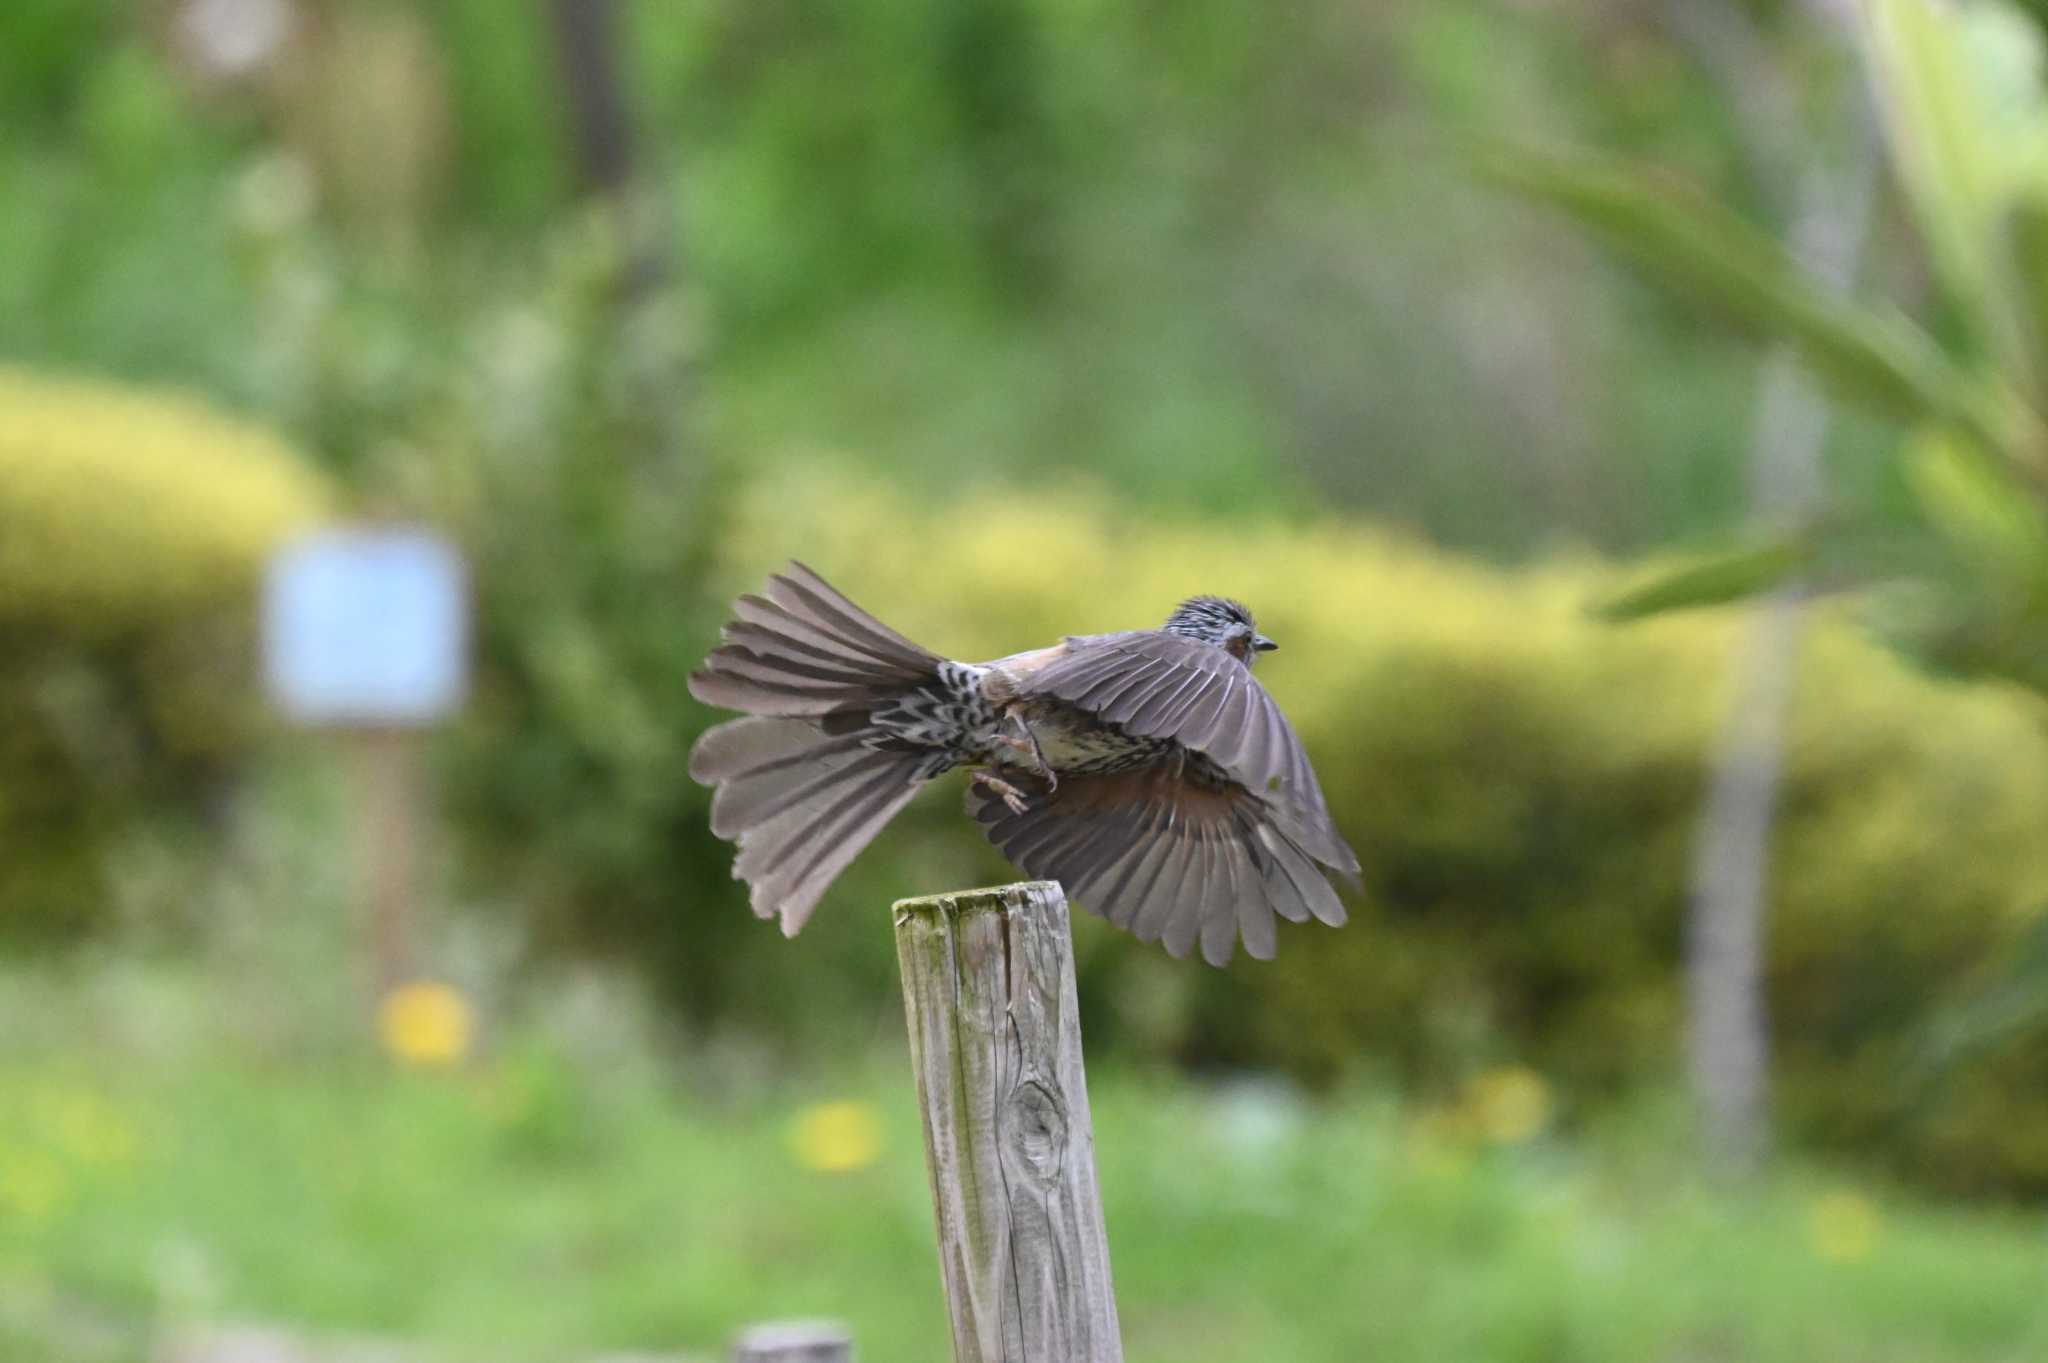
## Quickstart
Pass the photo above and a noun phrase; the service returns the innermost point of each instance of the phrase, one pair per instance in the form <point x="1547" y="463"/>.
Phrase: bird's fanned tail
<point x="804" y="782"/>
<point x="803" y="649"/>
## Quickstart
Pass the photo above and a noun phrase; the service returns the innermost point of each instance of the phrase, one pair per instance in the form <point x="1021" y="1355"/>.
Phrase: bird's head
<point x="1220" y="621"/>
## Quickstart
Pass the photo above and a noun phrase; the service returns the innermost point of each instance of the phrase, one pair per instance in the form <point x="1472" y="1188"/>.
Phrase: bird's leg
<point x="996" y="785"/>
<point x="1023" y="739"/>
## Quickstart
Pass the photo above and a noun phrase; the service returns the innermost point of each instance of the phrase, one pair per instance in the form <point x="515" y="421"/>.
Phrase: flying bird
<point x="1147" y="771"/>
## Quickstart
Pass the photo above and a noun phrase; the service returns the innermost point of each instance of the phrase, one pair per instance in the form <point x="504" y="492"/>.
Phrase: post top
<point x="986" y="897"/>
<point x="795" y="1335"/>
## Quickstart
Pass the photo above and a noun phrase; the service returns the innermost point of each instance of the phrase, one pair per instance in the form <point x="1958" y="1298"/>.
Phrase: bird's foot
<point x="1011" y="795"/>
<point x="1024" y="742"/>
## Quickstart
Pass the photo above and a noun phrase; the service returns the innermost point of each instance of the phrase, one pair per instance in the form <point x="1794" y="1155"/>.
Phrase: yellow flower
<point x="1843" y="1227"/>
<point x="425" y="1023"/>
<point x="86" y="1128"/>
<point x="1509" y="1105"/>
<point x="93" y="1132"/>
<point x="32" y="1186"/>
<point x="1439" y="1143"/>
<point x="836" y="1138"/>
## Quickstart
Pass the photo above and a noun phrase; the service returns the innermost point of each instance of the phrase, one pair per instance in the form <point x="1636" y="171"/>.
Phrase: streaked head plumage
<point x="1220" y="621"/>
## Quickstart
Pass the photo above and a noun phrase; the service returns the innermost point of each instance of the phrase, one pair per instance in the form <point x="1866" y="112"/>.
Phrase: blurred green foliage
<point x="1521" y="783"/>
<point x="574" y="1191"/>
<point x="1960" y="96"/>
<point x="588" y="511"/>
<point x="1961" y="578"/>
<point x="1072" y="312"/>
<point x="132" y="529"/>
<point x="1219" y="265"/>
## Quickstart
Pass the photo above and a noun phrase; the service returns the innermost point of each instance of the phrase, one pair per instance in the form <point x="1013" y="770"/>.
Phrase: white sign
<point x="366" y="626"/>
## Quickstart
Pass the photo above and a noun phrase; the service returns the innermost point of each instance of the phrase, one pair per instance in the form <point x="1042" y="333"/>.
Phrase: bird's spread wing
<point x="1162" y="686"/>
<point x="1166" y="858"/>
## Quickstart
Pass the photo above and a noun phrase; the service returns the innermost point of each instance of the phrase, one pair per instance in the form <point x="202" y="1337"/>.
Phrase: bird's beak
<point x="1263" y="644"/>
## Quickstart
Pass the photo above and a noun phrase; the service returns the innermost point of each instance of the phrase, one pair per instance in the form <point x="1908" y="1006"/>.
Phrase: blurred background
<point x="1695" y="1007"/>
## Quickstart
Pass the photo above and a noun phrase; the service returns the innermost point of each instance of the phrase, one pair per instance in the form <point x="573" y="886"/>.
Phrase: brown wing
<point x="1166" y="859"/>
<point x="1162" y="686"/>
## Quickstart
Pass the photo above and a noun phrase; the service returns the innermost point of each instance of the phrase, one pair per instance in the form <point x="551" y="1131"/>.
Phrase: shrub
<point x="553" y="448"/>
<point x="132" y="526"/>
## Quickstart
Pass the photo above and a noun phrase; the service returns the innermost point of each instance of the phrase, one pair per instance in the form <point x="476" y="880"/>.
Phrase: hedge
<point x="132" y="528"/>
<point x="1522" y="783"/>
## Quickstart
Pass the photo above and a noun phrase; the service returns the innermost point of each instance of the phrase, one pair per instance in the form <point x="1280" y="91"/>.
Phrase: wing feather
<point x="1247" y="895"/>
<point x="1145" y="681"/>
<point x="1295" y="884"/>
<point x="1200" y="722"/>
<point x="1106" y="697"/>
<point x="1121" y="887"/>
<point x="1236" y="729"/>
<point x="1158" y="685"/>
<point x="1219" y="898"/>
<point x="1157" y="920"/>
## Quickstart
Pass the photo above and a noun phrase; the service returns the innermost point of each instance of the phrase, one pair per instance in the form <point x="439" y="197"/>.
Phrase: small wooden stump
<point x="263" y="1344"/>
<point x="795" y="1341"/>
<point x="995" y="1036"/>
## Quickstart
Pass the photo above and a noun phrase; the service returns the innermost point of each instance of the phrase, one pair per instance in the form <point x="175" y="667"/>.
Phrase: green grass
<point x="166" y="1160"/>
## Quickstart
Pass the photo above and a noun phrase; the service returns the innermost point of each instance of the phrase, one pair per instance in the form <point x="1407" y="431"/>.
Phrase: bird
<point x="1147" y="771"/>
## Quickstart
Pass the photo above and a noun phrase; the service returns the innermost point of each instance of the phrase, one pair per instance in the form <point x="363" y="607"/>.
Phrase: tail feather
<point x="806" y="650"/>
<point x="794" y="859"/>
<point x="759" y="611"/>
<point x="828" y="608"/>
<point x="805" y="781"/>
<point x="775" y="668"/>
<point x="742" y="745"/>
<point x="801" y="805"/>
<point x="827" y="655"/>
<point x="741" y="693"/>
<point x="766" y="792"/>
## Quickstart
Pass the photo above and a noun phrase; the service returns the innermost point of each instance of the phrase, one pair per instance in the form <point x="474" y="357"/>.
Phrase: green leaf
<point x="2026" y="243"/>
<point x="1945" y="151"/>
<point x="1975" y="503"/>
<point x="1715" y="580"/>
<point x="2012" y="1005"/>
<point x="1710" y="257"/>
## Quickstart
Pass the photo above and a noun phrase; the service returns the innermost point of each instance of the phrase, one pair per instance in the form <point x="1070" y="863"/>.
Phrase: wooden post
<point x="385" y="791"/>
<point x="586" y="46"/>
<point x="995" y="1036"/>
<point x="795" y="1341"/>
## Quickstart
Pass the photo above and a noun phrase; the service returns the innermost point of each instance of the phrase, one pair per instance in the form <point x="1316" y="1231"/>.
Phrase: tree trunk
<point x="1729" y="1039"/>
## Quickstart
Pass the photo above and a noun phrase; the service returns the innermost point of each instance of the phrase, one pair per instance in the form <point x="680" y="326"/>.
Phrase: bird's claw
<point x="1025" y="742"/>
<point x="1009" y="794"/>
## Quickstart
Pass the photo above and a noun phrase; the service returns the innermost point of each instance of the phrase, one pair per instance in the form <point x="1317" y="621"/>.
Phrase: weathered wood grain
<point x="995" y="1036"/>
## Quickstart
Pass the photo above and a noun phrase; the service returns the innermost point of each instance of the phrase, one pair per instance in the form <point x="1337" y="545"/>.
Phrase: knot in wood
<point x="1035" y="1129"/>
